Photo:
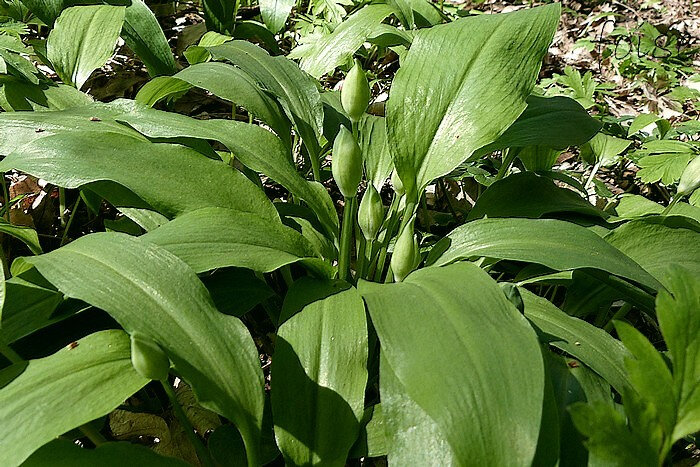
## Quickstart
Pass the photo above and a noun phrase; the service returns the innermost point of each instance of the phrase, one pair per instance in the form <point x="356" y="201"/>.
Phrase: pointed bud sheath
<point x="371" y="213"/>
<point x="397" y="183"/>
<point x="690" y="180"/>
<point x="404" y="257"/>
<point x="355" y="93"/>
<point x="148" y="358"/>
<point x="347" y="163"/>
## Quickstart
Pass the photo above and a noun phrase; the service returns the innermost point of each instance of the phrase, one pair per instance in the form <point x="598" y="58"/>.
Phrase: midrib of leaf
<point x="462" y="81"/>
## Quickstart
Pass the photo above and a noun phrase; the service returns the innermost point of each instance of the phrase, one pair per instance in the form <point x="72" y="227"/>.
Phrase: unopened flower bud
<point x="371" y="213"/>
<point x="355" y="94"/>
<point x="148" y="358"/>
<point x="347" y="163"/>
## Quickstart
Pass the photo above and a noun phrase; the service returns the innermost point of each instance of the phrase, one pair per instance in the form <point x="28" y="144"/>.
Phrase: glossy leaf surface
<point x="150" y="291"/>
<point x="213" y="238"/>
<point x="461" y="86"/>
<point x="77" y="158"/>
<point x="82" y="40"/>
<point x="320" y="372"/>
<point x="556" y="244"/>
<point x="500" y="385"/>
<point x="65" y="390"/>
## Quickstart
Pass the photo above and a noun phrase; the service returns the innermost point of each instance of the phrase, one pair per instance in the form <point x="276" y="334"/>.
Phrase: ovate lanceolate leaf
<point x="82" y="40"/>
<point x="213" y="238"/>
<point x="460" y="86"/>
<point x="593" y="346"/>
<point x="25" y="234"/>
<point x="658" y="244"/>
<point x="150" y="291"/>
<point x="484" y="402"/>
<point x="338" y="47"/>
<point x="184" y="179"/>
<point x="143" y="35"/>
<point x="556" y="244"/>
<point x="319" y="371"/>
<point x="227" y="82"/>
<point x="526" y="194"/>
<point x="554" y="122"/>
<point x="256" y="148"/>
<point x="65" y="390"/>
<point x="275" y="12"/>
<point x="296" y="91"/>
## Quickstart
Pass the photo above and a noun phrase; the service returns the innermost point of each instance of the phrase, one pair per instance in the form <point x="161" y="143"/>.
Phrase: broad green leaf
<point x="82" y="40"/>
<point x="458" y="89"/>
<point x="416" y="13"/>
<point x="319" y="371"/>
<point x="149" y="290"/>
<point x="229" y="83"/>
<point x="20" y="128"/>
<point x="65" y="390"/>
<point x="77" y="158"/>
<point x="642" y="121"/>
<point x="592" y="345"/>
<point x="337" y="48"/>
<point x="375" y="150"/>
<point x="17" y="95"/>
<point x="677" y="312"/>
<point x="538" y="158"/>
<point x="555" y="122"/>
<point x="658" y="244"/>
<point x="27" y="235"/>
<point x="412" y="436"/>
<point x="45" y="10"/>
<point x="235" y="291"/>
<point x="143" y="35"/>
<point x="220" y="15"/>
<point x="635" y="206"/>
<point x="161" y="87"/>
<point x="372" y="439"/>
<point x="213" y="238"/>
<point x="275" y="12"/>
<point x="27" y="308"/>
<point x="526" y="194"/>
<point x="556" y="244"/>
<point x="258" y="149"/>
<point x="296" y="91"/>
<point x="483" y="404"/>
<point x="604" y="149"/>
<point x="64" y="453"/>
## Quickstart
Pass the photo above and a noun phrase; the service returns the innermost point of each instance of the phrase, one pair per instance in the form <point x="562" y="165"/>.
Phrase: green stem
<point x="590" y="177"/>
<point x="619" y="314"/>
<point x="62" y="206"/>
<point x="70" y="221"/>
<point x="507" y="162"/>
<point x="392" y="218"/>
<point x="202" y="452"/>
<point x="361" y="257"/>
<point x="346" y="238"/>
<point x="673" y="202"/>
<point x="93" y="434"/>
